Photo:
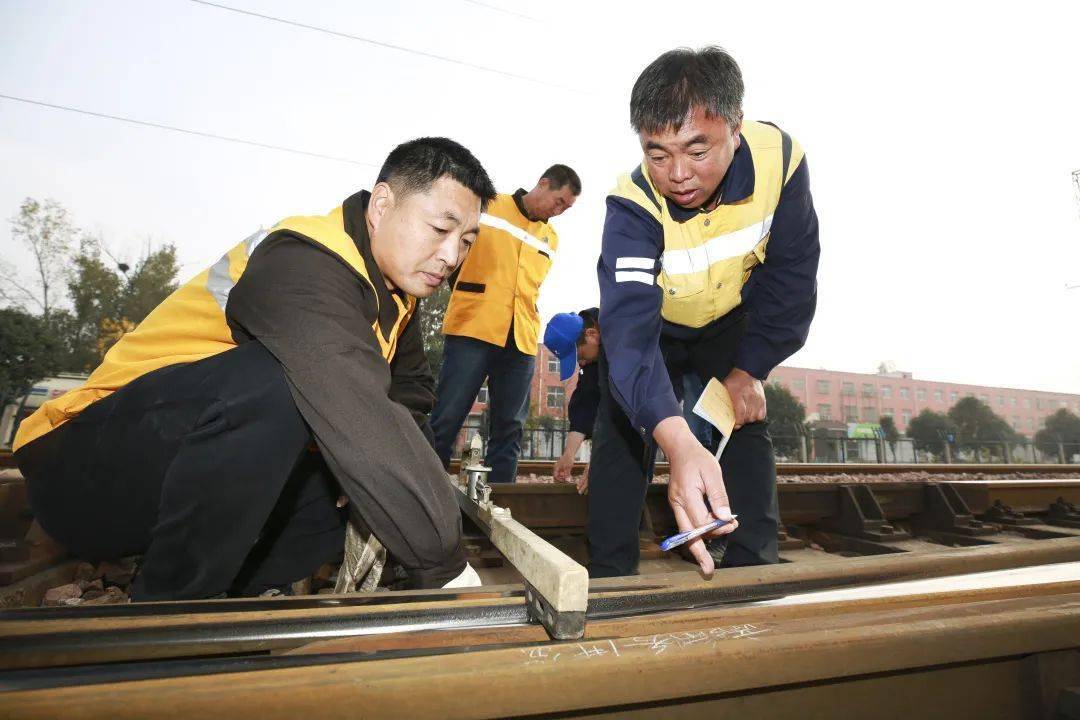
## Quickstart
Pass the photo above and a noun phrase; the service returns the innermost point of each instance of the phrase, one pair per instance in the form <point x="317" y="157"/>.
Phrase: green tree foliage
<point x="786" y="413"/>
<point x="1061" y="427"/>
<point x="889" y="432"/>
<point x="975" y="421"/>
<point x="928" y="430"/>
<point x="85" y="303"/>
<point x="108" y="302"/>
<point x="431" y="312"/>
<point x="888" y="428"/>
<point x="786" y="418"/>
<point x="28" y="352"/>
<point x="148" y="283"/>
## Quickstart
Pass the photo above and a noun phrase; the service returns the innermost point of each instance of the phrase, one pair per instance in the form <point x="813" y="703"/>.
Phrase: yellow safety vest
<point x="708" y="258"/>
<point x="500" y="279"/>
<point x="190" y="324"/>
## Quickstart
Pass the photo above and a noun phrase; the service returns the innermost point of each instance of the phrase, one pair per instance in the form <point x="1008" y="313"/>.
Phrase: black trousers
<point x="204" y="468"/>
<point x="622" y="466"/>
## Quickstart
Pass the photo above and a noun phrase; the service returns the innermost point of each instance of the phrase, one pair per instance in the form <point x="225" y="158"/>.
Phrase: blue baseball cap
<point x="561" y="338"/>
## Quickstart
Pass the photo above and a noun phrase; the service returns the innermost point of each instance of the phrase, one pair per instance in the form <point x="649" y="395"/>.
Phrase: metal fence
<point x="548" y="444"/>
<point x="905" y="450"/>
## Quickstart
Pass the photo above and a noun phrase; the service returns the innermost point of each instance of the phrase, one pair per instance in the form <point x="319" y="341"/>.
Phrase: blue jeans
<point x="466" y="363"/>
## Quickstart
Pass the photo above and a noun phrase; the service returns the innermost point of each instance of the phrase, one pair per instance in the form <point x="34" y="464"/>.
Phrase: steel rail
<point x="543" y="467"/>
<point x="28" y="643"/>
<point x="333" y="652"/>
<point x="927" y="651"/>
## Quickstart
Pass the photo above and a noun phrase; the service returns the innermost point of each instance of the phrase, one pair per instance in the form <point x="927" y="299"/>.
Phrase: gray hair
<point x="680" y="80"/>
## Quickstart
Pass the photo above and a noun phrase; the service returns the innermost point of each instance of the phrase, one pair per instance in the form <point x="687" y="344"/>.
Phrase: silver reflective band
<point x="634" y="276"/>
<point x="218" y="282"/>
<point x="722" y="247"/>
<point x="639" y="263"/>
<point x="499" y="224"/>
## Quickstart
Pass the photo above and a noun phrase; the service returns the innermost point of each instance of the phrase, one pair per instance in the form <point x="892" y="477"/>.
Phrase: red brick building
<point x="842" y="396"/>
<point x="864" y="397"/>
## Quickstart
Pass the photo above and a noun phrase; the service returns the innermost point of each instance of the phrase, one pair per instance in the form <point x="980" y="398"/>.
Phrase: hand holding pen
<point x="684" y="537"/>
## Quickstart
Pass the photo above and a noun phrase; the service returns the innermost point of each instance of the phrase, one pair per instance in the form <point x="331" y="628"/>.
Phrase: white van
<point x="40" y="393"/>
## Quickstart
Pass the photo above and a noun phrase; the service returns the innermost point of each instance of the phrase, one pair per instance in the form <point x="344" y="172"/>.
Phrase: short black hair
<point x="680" y="80"/>
<point x="559" y="175"/>
<point x="415" y="165"/>
<point x="590" y="319"/>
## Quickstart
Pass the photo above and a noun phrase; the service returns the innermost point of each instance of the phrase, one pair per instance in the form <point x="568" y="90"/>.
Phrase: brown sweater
<point x="368" y="417"/>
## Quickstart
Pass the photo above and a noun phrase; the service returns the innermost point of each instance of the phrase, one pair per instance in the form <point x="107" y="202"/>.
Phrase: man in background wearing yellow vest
<point x="492" y="323"/>
<point x="708" y="266"/>
<point x="192" y="443"/>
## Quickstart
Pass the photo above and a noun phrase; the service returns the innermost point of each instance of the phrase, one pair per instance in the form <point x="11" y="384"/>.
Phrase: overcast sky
<point x="940" y="140"/>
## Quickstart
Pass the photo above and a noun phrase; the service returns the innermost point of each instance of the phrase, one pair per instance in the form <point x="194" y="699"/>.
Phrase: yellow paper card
<point x="715" y="407"/>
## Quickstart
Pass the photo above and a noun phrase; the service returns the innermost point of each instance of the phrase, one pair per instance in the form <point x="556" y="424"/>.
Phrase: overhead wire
<point x="496" y="8"/>
<point x="187" y="131"/>
<point x="382" y="44"/>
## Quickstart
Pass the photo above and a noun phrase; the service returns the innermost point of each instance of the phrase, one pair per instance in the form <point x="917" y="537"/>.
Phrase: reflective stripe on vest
<point x="708" y="258"/>
<point x="499" y="281"/>
<point x="219" y="282"/>
<point x="499" y="224"/>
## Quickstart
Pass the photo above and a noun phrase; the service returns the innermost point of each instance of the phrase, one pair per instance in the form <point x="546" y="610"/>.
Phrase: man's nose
<point x="448" y="252"/>
<point x="680" y="171"/>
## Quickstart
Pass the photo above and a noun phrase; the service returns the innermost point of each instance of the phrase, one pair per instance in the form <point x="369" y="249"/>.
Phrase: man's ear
<point x="381" y="202"/>
<point x="592" y="334"/>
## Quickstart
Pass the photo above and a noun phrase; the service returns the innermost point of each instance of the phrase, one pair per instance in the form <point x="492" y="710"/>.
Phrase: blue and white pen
<point x="684" y="537"/>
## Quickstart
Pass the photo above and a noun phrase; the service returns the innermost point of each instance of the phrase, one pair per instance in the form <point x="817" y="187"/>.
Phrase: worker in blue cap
<point x="574" y="338"/>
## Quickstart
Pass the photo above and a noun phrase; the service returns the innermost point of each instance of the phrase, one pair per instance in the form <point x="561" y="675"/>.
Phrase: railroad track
<point x="543" y="467"/>
<point x="770" y="639"/>
<point x="811" y="652"/>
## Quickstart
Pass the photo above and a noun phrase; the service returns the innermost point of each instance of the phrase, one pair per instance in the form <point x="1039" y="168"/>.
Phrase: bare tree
<point x="46" y="230"/>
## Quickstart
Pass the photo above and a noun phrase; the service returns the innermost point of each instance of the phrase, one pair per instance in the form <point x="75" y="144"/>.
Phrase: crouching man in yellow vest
<point x="708" y="267"/>
<point x="192" y="443"/>
<point x="492" y="322"/>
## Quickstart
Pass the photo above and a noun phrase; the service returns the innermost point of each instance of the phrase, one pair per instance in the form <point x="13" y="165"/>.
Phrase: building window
<point x="482" y="396"/>
<point x="1001" y="401"/>
<point x="886" y="412"/>
<point x="1031" y="424"/>
<point x="1012" y="401"/>
<point x="1063" y="403"/>
<point x="886" y="391"/>
<point x="869" y="414"/>
<point x="867" y="390"/>
<point x="1038" y="404"/>
<point x="798" y="385"/>
<point x="1027" y="403"/>
<point x="847" y="388"/>
<point x="555" y="396"/>
<point x="824" y="412"/>
<point x="953" y="396"/>
<point x="983" y="398"/>
<point x="907" y="417"/>
<point x="904" y="393"/>
<point x="920" y="394"/>
<point x="851" y="413"/>
<point x="939" y="396"/>
<point x="553" y="364"/>
<point x="1016" y="422"/>
<point x="823" y="387"/>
